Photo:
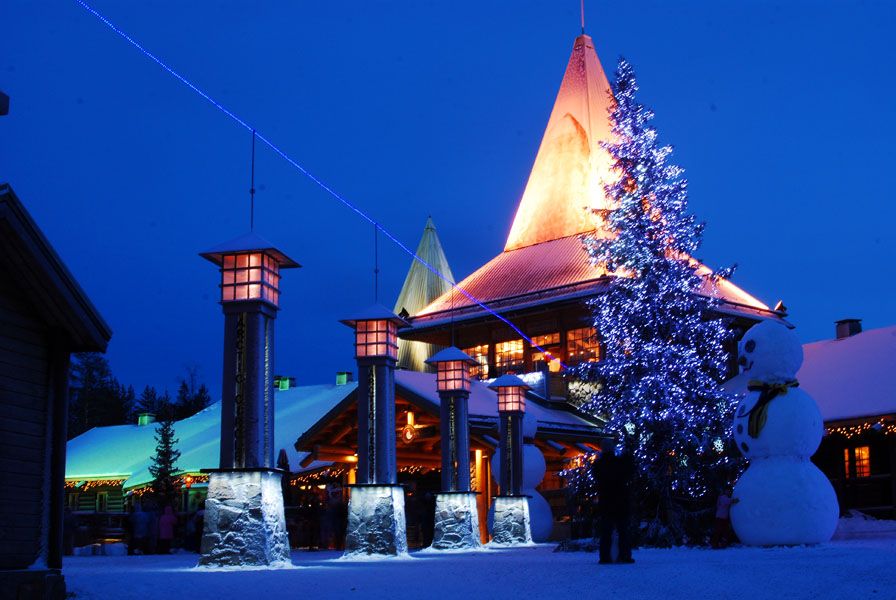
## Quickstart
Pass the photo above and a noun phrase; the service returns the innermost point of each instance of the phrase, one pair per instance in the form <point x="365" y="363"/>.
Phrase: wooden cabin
<point x="44" y="317"/>
<point x="850" y="377"/>
<point x="562" y="434"/>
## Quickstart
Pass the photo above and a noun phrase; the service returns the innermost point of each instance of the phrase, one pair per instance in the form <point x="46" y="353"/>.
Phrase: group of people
<point x="615" y="474"/>
<point x="149" y="532"/>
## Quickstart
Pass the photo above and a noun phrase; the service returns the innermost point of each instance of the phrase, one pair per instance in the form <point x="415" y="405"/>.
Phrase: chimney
<point x="848" y="328"/>
<point x="145" y="419"/>
<point x="344" y="377"/>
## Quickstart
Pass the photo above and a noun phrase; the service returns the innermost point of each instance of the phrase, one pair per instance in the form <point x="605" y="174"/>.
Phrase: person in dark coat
<point x="614" y="474"/>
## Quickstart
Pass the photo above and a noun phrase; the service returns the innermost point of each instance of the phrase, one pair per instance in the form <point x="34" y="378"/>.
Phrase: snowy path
<point x="843" y="569"/>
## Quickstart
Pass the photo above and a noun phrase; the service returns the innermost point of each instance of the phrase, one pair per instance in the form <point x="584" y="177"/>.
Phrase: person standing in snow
<point x="614" y="474"/>
<point x="722" y="531"/>
<point x="140" y="524"/>
<point x="166" y="530"/>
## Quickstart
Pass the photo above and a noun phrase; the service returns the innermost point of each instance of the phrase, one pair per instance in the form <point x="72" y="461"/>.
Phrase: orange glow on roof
<point x="567" y="178"/>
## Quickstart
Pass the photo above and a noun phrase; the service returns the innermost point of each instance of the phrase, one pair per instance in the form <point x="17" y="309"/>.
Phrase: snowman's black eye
<point x="750" y="345"/>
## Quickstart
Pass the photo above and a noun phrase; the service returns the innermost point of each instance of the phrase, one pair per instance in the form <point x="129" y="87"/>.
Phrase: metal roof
<point x="565" y="186"/>
<point x="374" y="312"/>
<point x="422" y="286"/>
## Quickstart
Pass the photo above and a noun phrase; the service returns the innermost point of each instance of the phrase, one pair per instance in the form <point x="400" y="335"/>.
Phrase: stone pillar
<point x="511" y="522"/>
<point x="457" y="517"/>
<point x="376" y="523"/>
<point x="244" y="520"/>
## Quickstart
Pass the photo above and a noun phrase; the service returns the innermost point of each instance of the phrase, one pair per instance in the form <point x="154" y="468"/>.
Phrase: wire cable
<point x="282" y="154"/>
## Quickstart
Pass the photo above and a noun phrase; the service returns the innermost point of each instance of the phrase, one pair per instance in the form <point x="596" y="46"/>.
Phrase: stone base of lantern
<point x="511" y="522"/>
<point x="376" y="524"/>
<point x="244" y="522"/>
<point x="456" y="522"/>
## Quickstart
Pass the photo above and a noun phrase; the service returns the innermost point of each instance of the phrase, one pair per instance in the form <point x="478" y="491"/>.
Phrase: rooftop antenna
<point x="376" y="264"/>
<point x="582" y="7"/>
<point x="252" y="188"/>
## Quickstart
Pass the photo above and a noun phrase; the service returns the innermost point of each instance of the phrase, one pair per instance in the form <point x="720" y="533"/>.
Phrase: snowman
<point x="782" y="498"/>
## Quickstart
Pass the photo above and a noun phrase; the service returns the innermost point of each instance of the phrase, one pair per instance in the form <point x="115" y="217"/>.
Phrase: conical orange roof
<point x="566" y="181"/>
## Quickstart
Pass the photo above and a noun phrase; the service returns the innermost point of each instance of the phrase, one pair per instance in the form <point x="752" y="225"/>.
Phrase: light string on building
<point x="880" y="426"/>
<point x="282" y="154"/>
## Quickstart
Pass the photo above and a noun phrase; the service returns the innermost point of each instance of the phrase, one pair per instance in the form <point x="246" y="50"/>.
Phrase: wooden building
<point x="850" y="377"/>
<point x="544" y="278"/>
<point x="562" y="434"/>
<point x="44" y="317"/>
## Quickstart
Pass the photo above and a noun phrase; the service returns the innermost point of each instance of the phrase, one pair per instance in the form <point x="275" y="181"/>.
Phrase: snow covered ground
<point x="851" y="568"/>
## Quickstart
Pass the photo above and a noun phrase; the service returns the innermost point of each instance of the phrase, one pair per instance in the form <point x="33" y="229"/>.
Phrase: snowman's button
<point x="744" y="446"/>
<point x="740" y="428"/>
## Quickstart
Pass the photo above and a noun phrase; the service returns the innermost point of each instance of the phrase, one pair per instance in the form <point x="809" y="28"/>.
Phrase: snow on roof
<point x="124" y="451"/>
<point x="852" y="377"/>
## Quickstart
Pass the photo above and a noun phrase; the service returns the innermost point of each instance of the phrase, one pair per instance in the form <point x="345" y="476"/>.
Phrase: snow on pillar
<point x="244" y="522"/>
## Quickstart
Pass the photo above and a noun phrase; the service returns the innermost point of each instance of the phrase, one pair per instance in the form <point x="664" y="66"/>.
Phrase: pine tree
<point x="164" y="464"/>
<point x="97" y="398"/>
<point x="189" y="402"/>
<point x="151" y="402"/>
<point x="663" y="345"/>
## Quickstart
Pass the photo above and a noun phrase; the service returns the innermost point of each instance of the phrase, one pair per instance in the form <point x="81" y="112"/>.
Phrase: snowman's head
<point x="770" y="352"/>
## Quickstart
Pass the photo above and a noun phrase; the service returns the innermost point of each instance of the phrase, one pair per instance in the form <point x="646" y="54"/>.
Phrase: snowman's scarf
<point x="767" y="392"/>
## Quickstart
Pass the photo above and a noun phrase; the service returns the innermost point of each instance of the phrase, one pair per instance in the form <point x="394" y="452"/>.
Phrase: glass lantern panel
<point x="511" y="399"/>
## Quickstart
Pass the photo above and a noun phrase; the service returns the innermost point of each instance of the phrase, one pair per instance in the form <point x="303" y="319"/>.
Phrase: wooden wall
<point x="24" y="457"/>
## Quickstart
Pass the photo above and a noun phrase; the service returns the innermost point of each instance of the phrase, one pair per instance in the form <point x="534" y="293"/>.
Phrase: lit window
<point x="480" y="355"/>
<point x="863" y="461"/>
<point x="250" y="276"/>
<point x="846" y="472"/>
<point x="452" y="376"/>
<point x="550" y="343"/>
<point x="509" y="356"/>
<point x="376" y="338"/>
<point x="581" y="345"/>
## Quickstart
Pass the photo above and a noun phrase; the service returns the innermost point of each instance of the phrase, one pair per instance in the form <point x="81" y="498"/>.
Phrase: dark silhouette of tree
<point x="164" y="464"/>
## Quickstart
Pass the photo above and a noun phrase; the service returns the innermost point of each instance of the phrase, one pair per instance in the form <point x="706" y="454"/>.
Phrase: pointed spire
<point x="422" y="286"/>
<point x="566" y="181"/>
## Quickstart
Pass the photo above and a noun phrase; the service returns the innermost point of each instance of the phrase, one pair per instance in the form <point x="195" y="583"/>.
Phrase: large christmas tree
<point x="663" y="344"/>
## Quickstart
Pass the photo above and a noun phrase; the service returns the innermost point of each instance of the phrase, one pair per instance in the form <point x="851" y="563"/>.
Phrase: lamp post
<point x="376" y="506"/>
<point x="245" y="523"/>
<point x="511" y="523"/>
<point x="456" y="518"/>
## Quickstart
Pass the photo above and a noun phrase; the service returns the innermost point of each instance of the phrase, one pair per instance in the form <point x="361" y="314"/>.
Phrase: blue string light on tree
<point x="664" y="347"/>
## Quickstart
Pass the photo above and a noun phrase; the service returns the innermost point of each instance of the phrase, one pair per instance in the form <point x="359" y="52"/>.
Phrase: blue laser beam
<point x="282" y="154"/>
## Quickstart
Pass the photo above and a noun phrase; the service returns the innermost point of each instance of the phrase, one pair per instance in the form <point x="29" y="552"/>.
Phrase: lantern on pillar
<point x="376" y="522"/>
<point x="376" y="351"/>
<point x="453" y="385"/>
<point x="511" y="526"/>
<point x="456" y="525"/>
<point x="247" y="477"/>
<point x="250" y="297"/>
<point x="511" y="392"/>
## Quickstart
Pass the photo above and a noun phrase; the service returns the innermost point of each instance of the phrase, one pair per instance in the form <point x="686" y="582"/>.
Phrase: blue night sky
<point x="781" y="113"/>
